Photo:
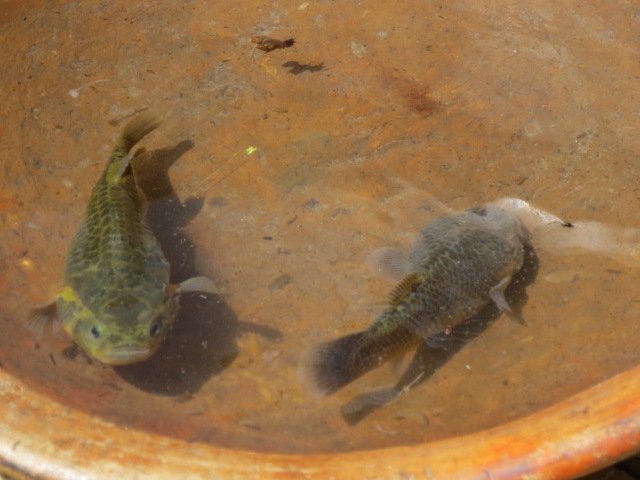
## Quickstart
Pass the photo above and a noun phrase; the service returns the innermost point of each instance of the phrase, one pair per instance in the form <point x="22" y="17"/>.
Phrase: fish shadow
<point x="296" y="68"/>
<point x="203" y="339"/>
<point x="437" y="350"/>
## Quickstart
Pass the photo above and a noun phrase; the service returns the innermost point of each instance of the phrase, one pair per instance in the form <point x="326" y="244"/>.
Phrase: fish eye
<point x="155" y="328"/>
<point x="95" y="331"/>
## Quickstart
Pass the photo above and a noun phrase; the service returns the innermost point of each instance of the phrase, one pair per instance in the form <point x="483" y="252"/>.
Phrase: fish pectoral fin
<point x="198" y="284"/>
<point x="388" y="261"/>
<point x="42" y="317"/>
<point x="404" y="288"/>
<point x="497" y="295"/>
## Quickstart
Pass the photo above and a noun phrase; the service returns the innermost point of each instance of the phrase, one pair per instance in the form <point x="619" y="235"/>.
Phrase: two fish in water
<point x="118" y="305"/>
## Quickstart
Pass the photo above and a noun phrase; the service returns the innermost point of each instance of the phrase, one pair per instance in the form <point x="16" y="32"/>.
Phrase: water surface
<point x="375" y="111"/>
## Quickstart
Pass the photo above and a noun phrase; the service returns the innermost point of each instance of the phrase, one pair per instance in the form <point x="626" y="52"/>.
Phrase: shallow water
<point x="373" y="113"/>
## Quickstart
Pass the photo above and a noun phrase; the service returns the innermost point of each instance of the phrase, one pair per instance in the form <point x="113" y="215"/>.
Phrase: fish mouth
<point x="125" y="354"/>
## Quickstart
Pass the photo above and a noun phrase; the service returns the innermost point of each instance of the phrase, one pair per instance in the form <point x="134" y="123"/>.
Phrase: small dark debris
<point x="280" y="282"/>
<point x="340" y="211"/>
<point x="217" y="202"/>
<point x="312" y="203"/>
<point x="614" y="271"/>
<point x="249" y="425"/>
<point x="267" y="44"/>
<point x="70" y="353"/>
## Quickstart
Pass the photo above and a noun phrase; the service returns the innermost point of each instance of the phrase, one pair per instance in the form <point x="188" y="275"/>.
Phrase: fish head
<point x="125" y="329"/>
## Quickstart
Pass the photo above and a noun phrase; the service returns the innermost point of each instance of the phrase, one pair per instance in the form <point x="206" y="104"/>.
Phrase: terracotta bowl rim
<point x="44" y="439"/>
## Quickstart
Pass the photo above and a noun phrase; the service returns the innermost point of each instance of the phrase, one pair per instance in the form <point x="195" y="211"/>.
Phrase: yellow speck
<point x="250" y="150"/>
<point x="26" y="263"/>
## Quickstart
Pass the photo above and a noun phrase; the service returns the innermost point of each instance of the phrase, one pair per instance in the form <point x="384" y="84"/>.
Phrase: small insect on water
<point x="267" y="44"/>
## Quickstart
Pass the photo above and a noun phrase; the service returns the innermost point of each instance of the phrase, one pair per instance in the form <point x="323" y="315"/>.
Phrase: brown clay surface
<point x="377" y="107"/>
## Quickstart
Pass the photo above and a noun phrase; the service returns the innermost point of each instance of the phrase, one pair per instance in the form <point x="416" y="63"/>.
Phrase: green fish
<point x="117" y="302"/>
<point x="457" y="266"/>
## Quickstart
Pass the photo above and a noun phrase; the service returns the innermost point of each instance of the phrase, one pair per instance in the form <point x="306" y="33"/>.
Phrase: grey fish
<point x="457" y="266"/>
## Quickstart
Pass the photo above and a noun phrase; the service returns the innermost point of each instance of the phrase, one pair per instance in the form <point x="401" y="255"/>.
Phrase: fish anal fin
<point x="404" y="288"/>
<point x="41" y="318"/>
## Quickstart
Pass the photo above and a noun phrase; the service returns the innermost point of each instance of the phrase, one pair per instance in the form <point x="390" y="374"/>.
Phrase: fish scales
<point x="115" y="250"/>
<point x="457" y="265"/>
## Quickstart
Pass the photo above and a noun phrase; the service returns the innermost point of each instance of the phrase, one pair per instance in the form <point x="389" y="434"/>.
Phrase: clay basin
<point x="276" y="175"/>
<point x="45" y="439"/>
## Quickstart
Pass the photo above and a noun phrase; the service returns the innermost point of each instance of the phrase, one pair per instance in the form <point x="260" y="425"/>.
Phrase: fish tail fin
<point x="141" y="125"/>
<point x="329" y="366"/>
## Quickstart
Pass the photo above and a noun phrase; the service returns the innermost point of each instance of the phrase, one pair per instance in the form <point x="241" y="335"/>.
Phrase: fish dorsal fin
<point x="404" y="288"/>
<point x="123" y="166"/>
<point x="129" y="167"/>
